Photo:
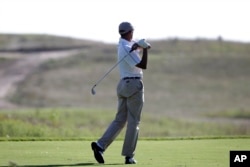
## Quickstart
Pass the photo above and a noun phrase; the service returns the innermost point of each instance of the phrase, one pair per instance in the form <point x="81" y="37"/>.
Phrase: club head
<point x="93" y="90"/>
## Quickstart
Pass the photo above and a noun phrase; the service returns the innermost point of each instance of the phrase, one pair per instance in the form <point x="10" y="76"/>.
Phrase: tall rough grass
<point x="87" y="123"/>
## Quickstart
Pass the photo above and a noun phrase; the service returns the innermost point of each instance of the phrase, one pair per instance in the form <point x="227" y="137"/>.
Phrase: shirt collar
<point x="124" y="41"/>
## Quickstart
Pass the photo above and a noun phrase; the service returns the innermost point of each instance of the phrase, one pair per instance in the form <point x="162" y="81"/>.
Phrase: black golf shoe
<point x="98" y="152"/>
<point x="129" y="160"/>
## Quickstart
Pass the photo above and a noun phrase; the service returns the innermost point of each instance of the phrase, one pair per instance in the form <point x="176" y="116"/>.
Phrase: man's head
<point x="125" y="27"/>
<point x="126" y="30"/>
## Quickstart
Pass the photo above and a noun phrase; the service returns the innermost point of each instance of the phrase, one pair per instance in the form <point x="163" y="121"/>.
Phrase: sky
<point x="152" y="19"/>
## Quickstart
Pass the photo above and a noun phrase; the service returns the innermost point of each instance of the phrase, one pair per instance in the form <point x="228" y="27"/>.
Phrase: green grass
<point x="41" y="42"/>
<point x="86" y="123"/>
<point x="236" y="113"/>
<point x="171" y="153"/>
<point x="184" y="77"/>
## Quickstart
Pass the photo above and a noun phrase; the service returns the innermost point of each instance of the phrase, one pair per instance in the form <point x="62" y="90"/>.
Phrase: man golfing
<point x="130" y="93"/>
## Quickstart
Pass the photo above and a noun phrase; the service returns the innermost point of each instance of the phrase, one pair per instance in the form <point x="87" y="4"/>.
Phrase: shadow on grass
<point x="52" y="165"/>
<point x="59" y="165"/>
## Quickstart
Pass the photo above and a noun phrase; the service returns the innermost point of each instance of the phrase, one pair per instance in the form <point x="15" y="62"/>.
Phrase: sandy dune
<point x="15" y="72"/>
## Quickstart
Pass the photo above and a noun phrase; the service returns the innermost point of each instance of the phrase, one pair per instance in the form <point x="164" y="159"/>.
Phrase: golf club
<point x="93" y="88"/>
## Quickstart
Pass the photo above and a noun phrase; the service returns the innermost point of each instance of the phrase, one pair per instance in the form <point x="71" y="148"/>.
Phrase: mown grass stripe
<point x="16" y="139"/>
<point x="171" y="153"/>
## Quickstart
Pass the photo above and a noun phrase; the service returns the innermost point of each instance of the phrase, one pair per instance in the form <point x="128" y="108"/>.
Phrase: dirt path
<point x="24" y="64"/>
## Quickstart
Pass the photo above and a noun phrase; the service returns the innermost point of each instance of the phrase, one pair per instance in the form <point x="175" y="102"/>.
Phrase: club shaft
<point x="109" y="71"/>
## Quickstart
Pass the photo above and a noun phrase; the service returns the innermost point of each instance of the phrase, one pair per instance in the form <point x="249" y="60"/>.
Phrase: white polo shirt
<point x="127" y="66"/>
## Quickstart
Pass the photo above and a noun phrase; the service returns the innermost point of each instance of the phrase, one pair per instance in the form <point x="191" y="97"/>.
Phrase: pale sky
<point x="152" y="19"/>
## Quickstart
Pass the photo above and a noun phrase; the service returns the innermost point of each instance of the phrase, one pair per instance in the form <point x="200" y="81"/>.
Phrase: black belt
<point x="131" y="78"/>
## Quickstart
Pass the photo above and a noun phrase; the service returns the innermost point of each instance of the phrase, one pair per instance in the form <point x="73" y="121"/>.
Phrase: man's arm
<point x="144" y="61"/>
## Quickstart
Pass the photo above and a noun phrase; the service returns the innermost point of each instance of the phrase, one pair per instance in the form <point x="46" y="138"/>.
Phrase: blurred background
<point x="52" y="53"/>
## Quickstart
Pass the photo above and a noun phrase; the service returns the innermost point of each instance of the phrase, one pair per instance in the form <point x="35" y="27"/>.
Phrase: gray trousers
<point x="130" y="94"/>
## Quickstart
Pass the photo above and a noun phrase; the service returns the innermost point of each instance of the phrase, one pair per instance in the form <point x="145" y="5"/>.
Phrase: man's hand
<point x="144" y="44"/>
<point x="134" y="47"/>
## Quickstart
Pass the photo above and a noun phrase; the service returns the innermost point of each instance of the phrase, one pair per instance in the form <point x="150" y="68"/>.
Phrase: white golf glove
<point x="143" y="43"/>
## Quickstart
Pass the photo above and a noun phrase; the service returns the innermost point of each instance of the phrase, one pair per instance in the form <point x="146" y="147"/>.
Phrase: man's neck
<point x="127" y="39"/>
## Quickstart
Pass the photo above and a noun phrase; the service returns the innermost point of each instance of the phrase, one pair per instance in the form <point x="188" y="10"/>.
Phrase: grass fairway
<point x="170" y="153"/>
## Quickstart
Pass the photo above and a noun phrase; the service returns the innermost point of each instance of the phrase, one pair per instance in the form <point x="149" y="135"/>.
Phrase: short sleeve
<point x="133" y="58"/>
